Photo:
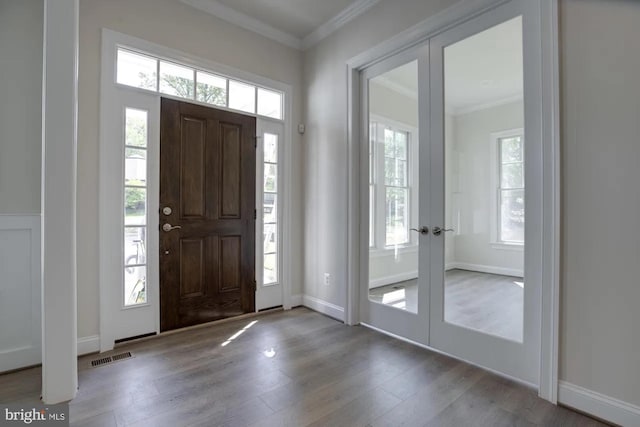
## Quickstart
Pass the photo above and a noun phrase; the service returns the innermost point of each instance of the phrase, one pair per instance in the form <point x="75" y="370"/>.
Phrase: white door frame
<point x="110" y="102"/>
<point x="545" y="14"/>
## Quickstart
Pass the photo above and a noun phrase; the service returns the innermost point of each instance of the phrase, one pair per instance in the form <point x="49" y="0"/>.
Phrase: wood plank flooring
<point x="294" y="368"/>
<point x="489" y="303"/>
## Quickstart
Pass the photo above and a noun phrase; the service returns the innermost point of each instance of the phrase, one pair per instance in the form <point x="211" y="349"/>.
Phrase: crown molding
<point x="348" y="14"/>
<point x="247" y="22"/>
<point x="396" y="87"/>
<point x="250" y="23"/>
<point x="486" y="105"/>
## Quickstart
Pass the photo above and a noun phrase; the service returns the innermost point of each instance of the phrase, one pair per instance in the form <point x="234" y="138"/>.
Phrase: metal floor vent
<point x="110" y="359"/>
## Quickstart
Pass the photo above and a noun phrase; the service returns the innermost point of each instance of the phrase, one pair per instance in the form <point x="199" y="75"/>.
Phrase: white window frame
<point x="110" y="98"/>
<point x="494" y="190"/>
<point x="379" y="247"/>
<point x="195" y="68"/>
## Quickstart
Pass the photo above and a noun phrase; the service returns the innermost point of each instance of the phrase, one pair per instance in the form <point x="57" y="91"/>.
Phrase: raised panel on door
<point x="230" y="263"/>
<point x="192" y="268"/>
<point x="231" y="171"/>
<point x="208" y="171"/>
<point x="193" y="167"/>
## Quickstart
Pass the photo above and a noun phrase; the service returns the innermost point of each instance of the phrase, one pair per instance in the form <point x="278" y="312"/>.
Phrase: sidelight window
<point x="270" y="217"/>
<point x="135" y="206"/>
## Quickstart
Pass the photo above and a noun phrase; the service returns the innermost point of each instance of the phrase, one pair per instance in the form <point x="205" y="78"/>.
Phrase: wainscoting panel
<point x="20" y="310"/>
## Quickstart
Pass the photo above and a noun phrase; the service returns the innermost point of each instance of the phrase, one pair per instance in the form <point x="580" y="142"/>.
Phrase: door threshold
<point x="200" y="326"/>
<point x="220" y="321"/>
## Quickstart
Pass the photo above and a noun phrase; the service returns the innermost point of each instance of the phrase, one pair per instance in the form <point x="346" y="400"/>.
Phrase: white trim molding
<point x="347" y="15"/>
<point x="396" y="278"/>
<point x="245" y="21"/>
<point x="19" y="282"/>
<point x="486" y="105"/>
<point x="599" y="405"/>
<point x="88" y="345"/>
<point x="550" y="324"/>
<point x="59" y="181"/>
<point x="242" y="20"/>
<point x="490" y="269"/>
<point x="323" y="307"/>
<point x="296" y="300"/>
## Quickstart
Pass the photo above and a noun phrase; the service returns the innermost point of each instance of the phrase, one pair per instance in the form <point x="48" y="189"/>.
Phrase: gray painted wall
<point x="600" y="337"/>
<point x="21" y="26"/>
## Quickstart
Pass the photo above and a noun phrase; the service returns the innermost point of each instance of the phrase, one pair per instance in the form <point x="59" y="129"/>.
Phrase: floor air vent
<point x="110" y="359"/>
<point x="121" y="356"/>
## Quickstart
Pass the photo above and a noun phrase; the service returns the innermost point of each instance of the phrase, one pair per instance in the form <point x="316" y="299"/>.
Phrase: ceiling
<point x="480" y="71"/>
<point x="296" y="23"/>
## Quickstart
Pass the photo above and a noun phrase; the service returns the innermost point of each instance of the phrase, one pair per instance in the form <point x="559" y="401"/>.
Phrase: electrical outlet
<point x="327" y="279"/>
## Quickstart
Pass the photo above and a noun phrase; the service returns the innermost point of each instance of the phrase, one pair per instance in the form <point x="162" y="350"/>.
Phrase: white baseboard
<point x="88" y="345"/>
<point x="485" y="269"/>
<point x="396" y="278"/>
<point x="296" y="300"/>
<point x="323" y="307"/>
<point x="596" y="404"/>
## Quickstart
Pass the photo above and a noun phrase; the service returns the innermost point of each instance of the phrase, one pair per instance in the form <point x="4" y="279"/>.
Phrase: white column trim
<point x="59" y="153"/>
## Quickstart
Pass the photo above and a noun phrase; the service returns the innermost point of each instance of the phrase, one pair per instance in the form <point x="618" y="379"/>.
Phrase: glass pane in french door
<point x="393" y="188"/>
<point x="484" y="181"/>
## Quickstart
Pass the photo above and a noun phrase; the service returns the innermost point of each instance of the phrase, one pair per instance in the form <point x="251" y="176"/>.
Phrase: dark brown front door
<point x="207" y="180"/>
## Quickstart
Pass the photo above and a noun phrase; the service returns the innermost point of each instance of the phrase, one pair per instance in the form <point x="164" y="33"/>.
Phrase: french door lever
<point x="421" y="230"/>
<point x="438" y="231"/>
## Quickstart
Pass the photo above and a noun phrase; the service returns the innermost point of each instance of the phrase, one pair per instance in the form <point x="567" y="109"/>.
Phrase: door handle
<point x="438" y="231"/>
<point x="168" y="227"/>
<point x="421" y="230"/>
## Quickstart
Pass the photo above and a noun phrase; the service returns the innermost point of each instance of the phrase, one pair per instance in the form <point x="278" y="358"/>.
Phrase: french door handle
<point x="168" y="227"/>
<point x="421" y="230"/>
<point x="438" y="231"/>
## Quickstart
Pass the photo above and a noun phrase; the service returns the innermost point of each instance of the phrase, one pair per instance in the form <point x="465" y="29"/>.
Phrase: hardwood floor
<point x="293" y="368"/>
<point x="490" y="303"/>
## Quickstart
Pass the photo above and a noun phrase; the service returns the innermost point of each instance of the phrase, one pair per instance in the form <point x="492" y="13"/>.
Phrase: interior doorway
<point x="207" y="214"/>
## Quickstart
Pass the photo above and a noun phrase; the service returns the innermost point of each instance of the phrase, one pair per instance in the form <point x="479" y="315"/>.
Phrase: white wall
<point x="21" y="26"/>
<point x="600" y="340"/>
<point x="175" y="25"/>
<point x="470" y="176"/>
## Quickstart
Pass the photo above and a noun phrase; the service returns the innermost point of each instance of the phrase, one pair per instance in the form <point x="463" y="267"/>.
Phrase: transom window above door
<point x="147" y="72"/>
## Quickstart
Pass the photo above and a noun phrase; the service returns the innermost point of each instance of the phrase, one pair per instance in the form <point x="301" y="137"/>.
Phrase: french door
<point x="451" y="137"/>
<point x="394" y="231"/>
